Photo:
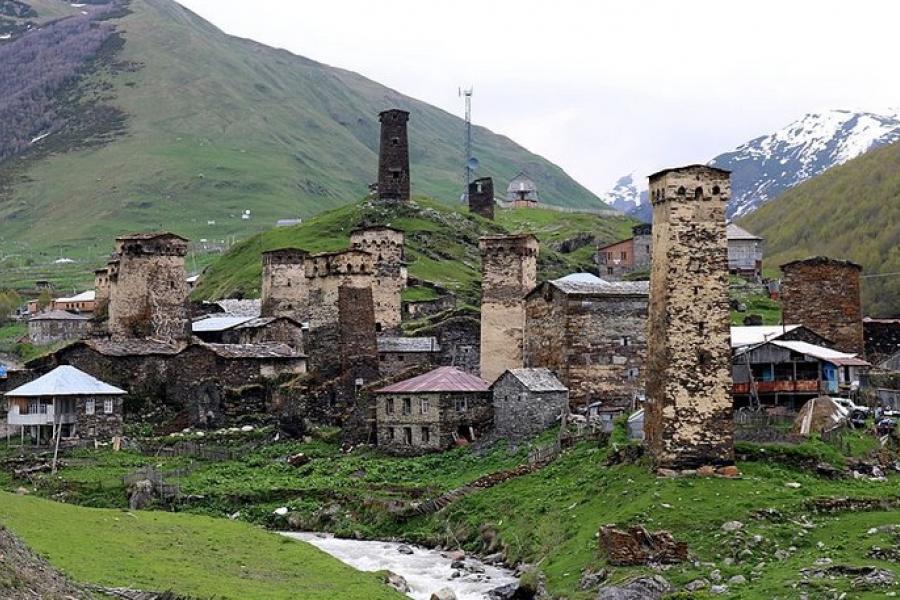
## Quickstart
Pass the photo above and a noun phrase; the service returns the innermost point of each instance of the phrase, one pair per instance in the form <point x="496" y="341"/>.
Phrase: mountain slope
<point x="764" y="167"/>
<point x="215" y="125"/>
<point x="851" y="211"/>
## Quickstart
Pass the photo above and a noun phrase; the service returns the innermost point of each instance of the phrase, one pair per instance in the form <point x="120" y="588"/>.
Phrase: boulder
<point x="298" y="460"/>
<point x="398" y="582"/>
<point x="592" y="579"/>
<point x="141" y="495"/>
<point x="729" y="471"/>
<point x="697" y="584"/>
<point x="504" y="592"/>
<point x="443" y="594"/>
<point x="642" y="588"/>
<point x="637" y="546"/>
<point x="731" y="526"/>
<point x="404" y="549"/>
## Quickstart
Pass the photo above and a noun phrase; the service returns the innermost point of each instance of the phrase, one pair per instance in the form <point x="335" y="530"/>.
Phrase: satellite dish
<point x="472" y="163"/>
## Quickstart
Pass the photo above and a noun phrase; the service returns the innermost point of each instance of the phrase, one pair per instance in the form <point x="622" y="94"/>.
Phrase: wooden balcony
<point x="804" y="386"/>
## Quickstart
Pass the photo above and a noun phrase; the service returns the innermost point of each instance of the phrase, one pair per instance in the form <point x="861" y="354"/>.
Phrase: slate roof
<point x="217" y="323"/>
<point x="263" y="350"/>
<point x="263" y="321"/>
<point x="133" y="347"/>
<point x="59" y="315"/>
<point x="152" y="235"/>
<point x="408" y="344"/>
<point x="538" y="380"/>
<point x="601" y="288"/>
<point x="241" y="308"/>
<point x="442" y="379"/>
<point x="65" y="381"/>
<point x="733" y="232"/>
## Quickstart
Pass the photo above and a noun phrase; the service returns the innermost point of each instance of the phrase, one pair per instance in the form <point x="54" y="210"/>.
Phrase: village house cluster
<point x="325" y="342"/>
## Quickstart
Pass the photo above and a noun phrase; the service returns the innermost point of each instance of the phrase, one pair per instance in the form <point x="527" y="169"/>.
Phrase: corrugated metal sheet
<point x="442" y="379"/>
<point x="65" y="381"/>
<point x="757" y="334"/>
<point x="211" y="324"/>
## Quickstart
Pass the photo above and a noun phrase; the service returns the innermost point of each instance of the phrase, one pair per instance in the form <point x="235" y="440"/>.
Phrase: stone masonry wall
<point x="284" y="290"/>
<point x="393" y="156"/>
<point x="823" y="294"/>
<point x="520" y="414"/>
<point x="100" y="425"/>
<point x="688" y="419"/>
<point x="509" y="272"/>
<point x="389" y="275"/>
<point x="101" y="292"/>
<point x="460" y="340"/>
<point x="481" y="197"/>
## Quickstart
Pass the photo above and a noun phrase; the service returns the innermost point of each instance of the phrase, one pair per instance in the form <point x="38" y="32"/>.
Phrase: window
<point x="462" y="405"/>
<point x="400" y="358"/>
<point x="626" y="340"/>
<point x="609" y="270"/>
<point x="407" y="436"/>
<point x="389" y="406"/>
<point x="633" y="373"/>
<point x="107" y="406"/>
<point x="391" y="433"/>
<point x="89" y="406"/>
<point x="426" y="435"/>
<point x="423" y="406"/>
<point x="407" y="406"/>
<point x="395" y="141"/>
<point x="395" y="174"/>
<point x="624" y="255"/>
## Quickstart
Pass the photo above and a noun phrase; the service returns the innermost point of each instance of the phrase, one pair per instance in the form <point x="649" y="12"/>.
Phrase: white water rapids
<point x="426" y="571"/>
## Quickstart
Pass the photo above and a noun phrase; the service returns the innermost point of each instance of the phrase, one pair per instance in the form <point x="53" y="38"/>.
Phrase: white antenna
<point x="471" y="161"/>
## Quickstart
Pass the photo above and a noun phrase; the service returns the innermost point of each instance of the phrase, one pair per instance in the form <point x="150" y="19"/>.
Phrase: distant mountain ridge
<point x="766" y="166"/>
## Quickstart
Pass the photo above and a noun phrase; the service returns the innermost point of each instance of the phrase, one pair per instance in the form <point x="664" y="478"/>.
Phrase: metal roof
<point x="442" y="379"/>
<point x="581" y="278"/>
<point x="212" y="324"/>
<point x="87" y="296"/>
<point x="59" y="315"/>
<point x="65" y="381"/>
<point x="733" y="232"/>
<point x="822" y="353"/>
<point x="408" y="344"/>
<point x="537" y="380"/>
<point x="757" y="334"/>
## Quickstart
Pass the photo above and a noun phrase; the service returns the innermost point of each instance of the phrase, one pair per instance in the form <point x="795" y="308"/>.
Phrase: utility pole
<point x="471" y="162"/>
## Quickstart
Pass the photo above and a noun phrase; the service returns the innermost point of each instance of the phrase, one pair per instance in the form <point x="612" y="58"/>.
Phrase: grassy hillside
<point x="851" y="211"/>
<point x="441" y="243"/>
<point x="216" y="125"/>
<point x="193" y="555"/>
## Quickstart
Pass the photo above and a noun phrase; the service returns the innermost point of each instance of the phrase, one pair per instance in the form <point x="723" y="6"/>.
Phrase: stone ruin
<point x="688" y="418"/>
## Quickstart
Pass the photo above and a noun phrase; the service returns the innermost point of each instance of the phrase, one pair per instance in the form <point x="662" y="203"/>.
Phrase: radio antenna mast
<point x="471" y="161"/>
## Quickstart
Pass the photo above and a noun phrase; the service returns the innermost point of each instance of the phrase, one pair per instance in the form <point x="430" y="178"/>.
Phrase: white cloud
<point x="601" y="88"/>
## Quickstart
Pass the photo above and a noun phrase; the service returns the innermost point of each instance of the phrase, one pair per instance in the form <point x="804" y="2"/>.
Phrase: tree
<point x="9" y="302"/>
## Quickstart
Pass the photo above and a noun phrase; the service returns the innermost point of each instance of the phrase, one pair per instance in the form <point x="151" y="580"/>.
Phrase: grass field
<point x="189" y="554"/>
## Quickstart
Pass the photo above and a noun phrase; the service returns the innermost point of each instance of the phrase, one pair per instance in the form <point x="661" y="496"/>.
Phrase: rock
<point x="637" y="546"/>
<point x="715" y="575"/>
<point x="666" y="473"/>
<point x="718" y="589"/>
<point x="874" y="578"/>
<point x="247" y="428"/>
<point x="457" y="564"/>
<point x="443" y="594"/>
<point x="706" y="471"/>
<point x="455" y="575"/>
<point x="235" y="516"/>
<point x="295" y="520"/>
<point x="20" y="491"/>
<point x="732" y="526"/>
<point x="792" y="484"/>
<point x="591" y="580"/>
<point x="281" y="511"/>
<point x="504" y="592"/>
<point x="141" y="495"/>
<point x="404" y="549"/>
<point x="823" y="562"/>
<point x="737" y="580"/>
<point x="642" y="588"/>
<point x="781" y="554"/>
<point x="729" y="471"/>
<point x="456" y="555"/>
<point x="298" y="460"/>
<point x="492" y="559"/>
<point x="398" y="582"/>
<point x="697" y="584"/>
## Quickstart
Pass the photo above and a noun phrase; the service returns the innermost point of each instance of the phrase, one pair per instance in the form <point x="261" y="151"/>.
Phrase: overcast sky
<point x="601" y="88"/>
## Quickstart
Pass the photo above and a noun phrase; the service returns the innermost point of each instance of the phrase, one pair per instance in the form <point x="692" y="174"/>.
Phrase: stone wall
<point x="393" y="156"/>
<point x="509" y="271"/>
<point x="100" y="426"/>
<point x="101" y="293"/>
<point x="149" y="296"/>
<point x="460" y="339"/>
<point x="51" y="331"/>
<point x="393" y="363"/>
<point x="481" y="197"/>
<point x="389" y="276"/>
<point x="596" y="344"/>
<point x="519" y="413"/>
<point x="823" y="294"/>
<point x="882" y="338"/>
<point x="284" y="290"/>
<point x="401" y="432"/>
<point x="688" y="413"/>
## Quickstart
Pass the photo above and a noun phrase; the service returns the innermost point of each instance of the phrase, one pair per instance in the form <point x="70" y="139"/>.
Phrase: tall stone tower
<point x="285" y="292"/>
<point x="688" y="418"/>
<point x="393" y="156"/>
<point x="481" y="197"/>
<point x="823" y="294"/>
<point x="101" y="293"/>
<point x="148" y="292"/>
<point x="389" y="274"/>
<point x="508" y="273"/>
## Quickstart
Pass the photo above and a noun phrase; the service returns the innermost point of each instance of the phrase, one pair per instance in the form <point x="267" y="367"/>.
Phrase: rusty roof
<point x="442" y="379"/>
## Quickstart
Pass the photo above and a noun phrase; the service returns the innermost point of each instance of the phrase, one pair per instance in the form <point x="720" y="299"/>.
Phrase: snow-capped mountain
<point x="764" y="167"/>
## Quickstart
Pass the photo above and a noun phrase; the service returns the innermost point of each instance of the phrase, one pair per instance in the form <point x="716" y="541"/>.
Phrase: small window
<point x="698" y="193"/>
<point x="423" y="406"/>
<point x="624" y="256"/>
<point x="609" y="270"/>
<point x="89" y="406"/>
<point x="633" y="373"/>
<point x="681" y="191"/>
<point x="462" y="405"/>
<point x="626" y="340"/>
<point x="407" y="406"/>
<point x="407" y="436"/>
<point x="716" y="190"/>
<point x="426" y="435"/>
<point x="395" y="173"/>
<point x="395" y="141"/>
<point x="108" y="406"/>
<point x="389" y="406"/>
<point x="400" y="358"/>
<point x="391" y="433"/>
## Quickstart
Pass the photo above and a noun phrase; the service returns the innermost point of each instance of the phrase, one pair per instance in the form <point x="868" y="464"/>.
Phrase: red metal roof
<point x="442" y="379"/>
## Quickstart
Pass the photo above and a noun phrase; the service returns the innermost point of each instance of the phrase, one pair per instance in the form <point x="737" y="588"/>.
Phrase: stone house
<point x="57" y="326"/>
<point x="592" y="334"/>
<point x="526" y="402"/>
<point x="522" y="192"/>
<point x="432" y="412"/>
<point x="398" y="354"/>
<point x="459" y="339"/>
<point x="212" y="329"/>
<point x="231" y="329"/>
<point x="751" y="335"/>
<point x="66" y="402"/>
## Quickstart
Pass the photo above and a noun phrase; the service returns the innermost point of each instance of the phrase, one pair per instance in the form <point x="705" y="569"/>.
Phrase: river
<point x="426" y="571"/>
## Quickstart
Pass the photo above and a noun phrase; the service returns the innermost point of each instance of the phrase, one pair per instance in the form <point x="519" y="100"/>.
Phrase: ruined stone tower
<point x="284" y="289"/>
<point x="148" y="291"/>
<point x="481" y="197"/>
<point x="508" y="272"/>
<point x="325" y="274"/>
<point x="101" y="292"/>
<point x="389" y="275"/>
<point x="393" y="156"/>
<point x="688" y="415"/>
<point x="823" y="294"/>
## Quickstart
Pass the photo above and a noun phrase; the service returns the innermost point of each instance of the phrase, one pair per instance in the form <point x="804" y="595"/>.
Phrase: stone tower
<point x="823" y="294"/>
<point x="148" y="292"/>
<point x="508" y="273"/>
<point x="481" y="197"/>
<point x="101" y="291"/>
<point x="285" y="292"/>
<point x="393" y="156"/>
<point x="389" y="275"/>
<point x="688" y="418"/>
